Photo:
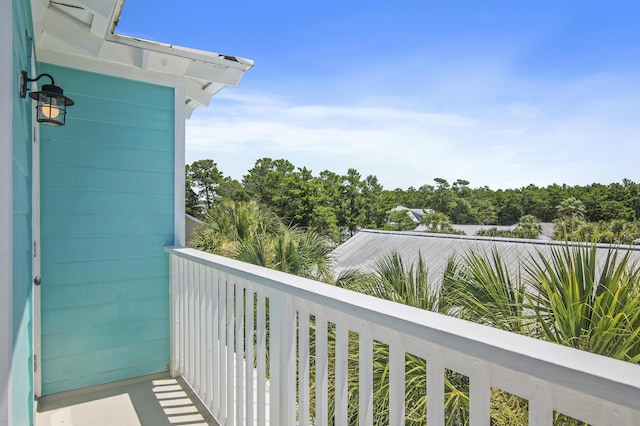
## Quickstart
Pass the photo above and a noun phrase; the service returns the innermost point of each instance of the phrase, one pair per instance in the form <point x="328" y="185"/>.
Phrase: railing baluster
<point x="479" y="395"/>
<point x="197" y="329"/>
<point x="435" y="386"/>
<point x="540" y="404"/>
<point x="249" y="342"/>
<point x="204" y="325"/>
<point x="184" y="293"/>
<point x="215" y="339"/>
<point x="303" y="365"/>
<point x="191" y="321"/>
<point x="396" y="383"/>
<point x="365" y="376"/>
<point x="341" y="362"/>
<point x="282" y="361"/>
<point x="240" y="362"/>
<point x="230" y="352"/>
<point x="261" y="358"/>
<point x="210" y="326"/>
<point x="222" y="333"/>
<point x="322" y="370"/>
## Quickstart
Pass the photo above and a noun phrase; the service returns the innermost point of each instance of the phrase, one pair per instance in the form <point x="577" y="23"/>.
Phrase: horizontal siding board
<point x="148" y="367"/>
<point x="76" y="366"/>
<point x="69" y="273"/>
<point x="116" y="158"/>
<point x="117" y="113"/>
<point x="64" y="321"/>
<point x="63" y="177"/>
<point x="93" y="202"/>
<point x="102" y="338"/>
<point x="102" y="225"/>
<point x="138" y="136"/>
<point x="82" y="83"/>
<point x="99" y="293"/>
<point x="73" y="249"/>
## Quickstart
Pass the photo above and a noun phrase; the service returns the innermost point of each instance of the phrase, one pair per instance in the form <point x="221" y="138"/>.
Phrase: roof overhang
<point x="80" y="34"/>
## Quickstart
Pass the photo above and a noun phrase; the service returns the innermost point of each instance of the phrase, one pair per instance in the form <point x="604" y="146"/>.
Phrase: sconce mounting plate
<point x="24" y="77"/>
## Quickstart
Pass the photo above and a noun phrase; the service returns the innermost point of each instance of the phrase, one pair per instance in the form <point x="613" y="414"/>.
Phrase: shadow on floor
<point x="157" y="400"/>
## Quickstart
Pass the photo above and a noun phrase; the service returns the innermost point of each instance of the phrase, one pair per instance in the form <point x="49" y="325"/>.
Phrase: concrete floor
<point x="156" y="400"/>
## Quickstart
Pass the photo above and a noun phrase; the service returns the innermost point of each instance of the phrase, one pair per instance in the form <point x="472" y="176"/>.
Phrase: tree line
<point x="337" y="205"/>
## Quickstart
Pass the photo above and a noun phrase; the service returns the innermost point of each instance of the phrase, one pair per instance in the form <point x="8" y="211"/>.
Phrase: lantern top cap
<point x="52" y="91"/>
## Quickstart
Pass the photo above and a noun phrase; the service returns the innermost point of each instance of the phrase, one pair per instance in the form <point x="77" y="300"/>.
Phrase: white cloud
<point x="577" y="134"/>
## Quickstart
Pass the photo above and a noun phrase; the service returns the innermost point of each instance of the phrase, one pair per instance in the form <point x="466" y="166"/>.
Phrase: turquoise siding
<point x="22" y="357"/>
<point x="107" y="196"/>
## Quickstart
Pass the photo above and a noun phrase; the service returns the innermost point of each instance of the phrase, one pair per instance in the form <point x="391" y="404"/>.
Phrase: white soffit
<point x="79" y="34"/>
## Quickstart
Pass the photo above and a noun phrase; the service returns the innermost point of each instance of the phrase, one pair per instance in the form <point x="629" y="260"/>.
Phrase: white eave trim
<point x="65" y="41"/>
<point x="184" y="52"/>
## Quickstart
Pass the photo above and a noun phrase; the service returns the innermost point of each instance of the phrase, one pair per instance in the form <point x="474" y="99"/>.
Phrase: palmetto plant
<point x="302" y="253"/>
<point x="227" y="225"/>
<point x="393" y="280"/>
<point x="252" y="233"/>
<point x="569" y="297"/>
<point x="587" y="306"/>
<point x="486" y="292"/>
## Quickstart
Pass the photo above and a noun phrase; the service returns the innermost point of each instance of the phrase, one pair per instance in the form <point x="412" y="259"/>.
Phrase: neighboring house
<point x="414" y="214"/>
<point x="367" y="247"/>
<point x="548" y="229"/>
<point x="86" y="209"/>
<point x="190" y="224"/>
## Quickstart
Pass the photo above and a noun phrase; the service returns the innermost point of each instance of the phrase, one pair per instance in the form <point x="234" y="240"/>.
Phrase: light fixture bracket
<point x="24" y="80"/>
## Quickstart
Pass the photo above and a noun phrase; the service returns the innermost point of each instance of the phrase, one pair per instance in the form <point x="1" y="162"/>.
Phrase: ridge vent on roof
<point x="500" y="239"/>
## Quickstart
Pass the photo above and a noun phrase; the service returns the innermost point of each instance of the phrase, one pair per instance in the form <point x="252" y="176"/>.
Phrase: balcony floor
<point x="156" y="400"/>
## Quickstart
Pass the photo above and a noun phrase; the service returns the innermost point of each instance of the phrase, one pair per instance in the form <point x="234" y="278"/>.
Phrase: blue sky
<point x="501" y="93"/>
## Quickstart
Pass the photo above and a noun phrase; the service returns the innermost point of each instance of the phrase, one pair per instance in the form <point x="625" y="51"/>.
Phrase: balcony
<point x="156" y="400"/>
<point x="299" y="333"/>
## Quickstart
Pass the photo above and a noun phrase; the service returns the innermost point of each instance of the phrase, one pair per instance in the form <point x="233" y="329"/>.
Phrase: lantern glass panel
<point x="51" y="110"/>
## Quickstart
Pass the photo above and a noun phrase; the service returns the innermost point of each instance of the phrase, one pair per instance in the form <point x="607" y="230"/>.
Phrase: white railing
<point x="226" y="312"/>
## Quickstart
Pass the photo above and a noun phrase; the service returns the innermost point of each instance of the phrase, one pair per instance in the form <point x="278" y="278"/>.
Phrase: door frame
<point x="36" y="252"/>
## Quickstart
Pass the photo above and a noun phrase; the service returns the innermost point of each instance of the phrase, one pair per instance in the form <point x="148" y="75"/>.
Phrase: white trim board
<point x="179" y="164"/>
<point x="7" y="93"/>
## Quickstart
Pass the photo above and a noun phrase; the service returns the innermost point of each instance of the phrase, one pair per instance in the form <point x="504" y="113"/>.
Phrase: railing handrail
<point x="605" y="378"/>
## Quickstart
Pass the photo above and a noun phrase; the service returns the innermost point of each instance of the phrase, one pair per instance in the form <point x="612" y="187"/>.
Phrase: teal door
<point x="107" y="211"/>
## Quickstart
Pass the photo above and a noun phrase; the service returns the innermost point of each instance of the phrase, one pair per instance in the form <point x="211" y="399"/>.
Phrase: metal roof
<point x="364" y="249"/>
<point x="80" y="34"/>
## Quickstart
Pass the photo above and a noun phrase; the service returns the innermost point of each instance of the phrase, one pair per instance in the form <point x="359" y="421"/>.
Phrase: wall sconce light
<point x="51" y="104"/>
